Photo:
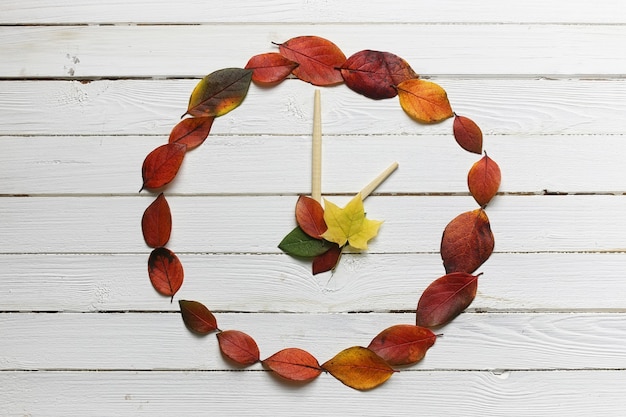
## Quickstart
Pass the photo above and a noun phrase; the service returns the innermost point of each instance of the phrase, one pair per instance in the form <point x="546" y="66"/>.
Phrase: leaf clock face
<point x="156" y="222"/>
<point x="359" y="368"/>
<point x="162" y="164"/>
<point x="445" y="298"/>
<point x="483" y="180"/>
<point x="219" y="92"/>
<point x="165" y="271"/>
<point x="318" y="59"/>
<point x="467" y="242"/>
<point x="424" y="101"/>
<point x="294" y="364"/>
<point x="270" y="68"/>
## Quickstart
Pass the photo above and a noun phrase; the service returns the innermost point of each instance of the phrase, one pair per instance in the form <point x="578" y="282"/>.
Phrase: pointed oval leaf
<point x="238" y="347"/>
<point x="165" y="271"/>
<point x="467" y="134"/>
<point x="162" y="164"/>
<point x="197" y="317"/>
<point x="483" y="180"/>
<point x="219" y="92"/>
<point x="375" y="74"/>
<point x="467" y="242"/>
<point x="318" y="59"/>
<point x="403" y="344"/>
<point x="328" y="260"/>
<point x="359" y="368"/>
<point x="310" y="217"/>
<point x="270" y="68"/>
<point x="445" y="298"/>
<point x="156" y="222"/>
<point x="297" y="243"/>
<point x="191" y="131"/>
<point x="424" y="101"/>
<point x="294" y="364"/>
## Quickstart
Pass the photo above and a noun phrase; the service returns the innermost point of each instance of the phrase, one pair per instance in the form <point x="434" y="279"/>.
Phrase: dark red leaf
<point x="467" y="242"/>
<point x="294" y="364"/>
<point x="483" y="180"/>
<point x="197" y="317"/>
<point x="467" y="134"/>
<point x="445" y="298"/>
<point x="238" y="347"/>
<point x="191" y="131"/>
<point x="310" y="217"/>
<point x="162" y="164"/>
<point x="156" y="222"/>
<point x="219" y="92"/>
<point x="328" y="260"/>
<point x="270" y="67"/>
<point x="318" y="59"/>
<point x="403" y="344"/>
<point x="165" y="271"/>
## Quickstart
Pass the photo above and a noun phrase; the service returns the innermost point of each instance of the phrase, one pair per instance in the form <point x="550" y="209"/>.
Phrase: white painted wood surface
<point x="88" y="88"/>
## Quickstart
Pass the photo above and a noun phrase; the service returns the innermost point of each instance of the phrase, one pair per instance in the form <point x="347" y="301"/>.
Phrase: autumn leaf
<point x="197" y="317"/>
<point x="359" y="368"/>
<point x="318" y="59"/>
<point x="294" y="364"/>
<point x="156" y="222"/>
<point x="445" y="298"/>
<point x="162" y="164"/>
<point x="219" y="92"/>
<point x="238" y="347"/>
<point x="310" y="217"/>
<point x="424" y="101"/>
<point x="402" y="344"/>
<point x="297" y="243"/>
<point x="467" y="134"/>
<point x="165" y="271"/>
<point x="349" y="225"/>
<point x="467" y="242"/>
<point x="328" y="260"/>
<point x="375" y="74"/>
<point x="483" y="180"/>
<point x="192" y="131"/>
<point x="270" y="67"/>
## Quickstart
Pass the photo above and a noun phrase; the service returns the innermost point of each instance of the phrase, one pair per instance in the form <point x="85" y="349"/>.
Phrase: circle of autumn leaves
<point x="322" y="233"/>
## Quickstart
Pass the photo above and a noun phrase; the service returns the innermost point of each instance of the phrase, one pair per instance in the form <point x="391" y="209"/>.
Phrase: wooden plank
<point x="256" y="224"/>
<point x="513" y="282"/>
<point x="296" y="11"/>
<point x="157" y="393"/>
<point x="95" y="51"/>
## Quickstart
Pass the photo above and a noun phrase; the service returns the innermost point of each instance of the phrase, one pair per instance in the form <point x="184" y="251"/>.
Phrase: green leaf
<point x="298" y="243"/>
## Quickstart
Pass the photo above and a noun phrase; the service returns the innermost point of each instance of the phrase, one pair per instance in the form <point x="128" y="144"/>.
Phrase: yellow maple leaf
<point x="349" y="224"/>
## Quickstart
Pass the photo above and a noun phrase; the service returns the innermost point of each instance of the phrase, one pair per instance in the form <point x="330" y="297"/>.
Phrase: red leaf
<point x="294" y="364"/>
<point x="445" y="298"/>
<point x="328" y="260"/>
<point x="310" y="217"/>
<point x="238" y="347"/>
<point x="270" y="68"/>
<point x="318" y="59"/>
<point x="162" y="164"/>
<point x="402" y="344"/>
<point x="359" y="368"/>
<point x="424" y="101"/>
<point x="192" y="131"/>
<point x="165" y="271"/>
<point x="467" y="134"/>
<point x="156" y="222"/>
<point x="467" y="242"/>
<point x="483" y="180"/>
<point x="219" y="92"/>
<point x="197" y="317"/>
<point x="375" y="74"/>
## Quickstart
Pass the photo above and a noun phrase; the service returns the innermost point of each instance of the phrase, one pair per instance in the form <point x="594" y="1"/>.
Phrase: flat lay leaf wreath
<point x="323" y="231"/>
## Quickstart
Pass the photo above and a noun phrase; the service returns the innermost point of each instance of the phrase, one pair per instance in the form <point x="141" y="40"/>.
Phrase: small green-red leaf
<point x="403" y="344"/>
<point x="294" y="364"/>
<point x="310" y="217"/>
<point x="165" y="271"/>
<point x="424" y="101"/>
<point x="191" y="131"/>
<point x="238" y="347"/>
<point x="297" y="243"/>
<point x="483" y="180"/>
<point x="328" y="260"/>
<point x="219" y="92"/>
<point x="162" y="164"/>
<point x="467" y="242"/>
<point x="270" y="67"/>
<point x="359" y="368"/>
<point x="197" y="317"/>
<point x="467" y="134"/>
<point x="318" y="59"/>
<point x="156" y="222"/>
<point x="445" y="298"/>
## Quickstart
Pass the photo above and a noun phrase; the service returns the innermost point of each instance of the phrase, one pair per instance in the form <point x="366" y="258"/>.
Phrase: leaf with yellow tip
<point x="349" y="224"/>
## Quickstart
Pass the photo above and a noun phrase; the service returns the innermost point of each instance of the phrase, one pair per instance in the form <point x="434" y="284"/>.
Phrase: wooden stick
<point x="316" y="168"/>
<point x="369" y="188"/>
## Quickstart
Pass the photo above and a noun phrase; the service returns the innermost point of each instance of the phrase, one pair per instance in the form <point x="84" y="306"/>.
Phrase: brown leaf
<point x="318" y="59"/>
<point x="402" y="344"/>
<point x="238" y="347"/>
<point x="445" y="298"/>
<point x="467" y="242"/>
<point x="192" y="131"/>
<point x="161" y="165"/>
<point x="156" y="223"/>
<point x="483" y="180"/>
<point x="294" y="364"/>
<point x="328" y="260"/>
<point x="424" y="101"/>
<point x="165" y="271"/>
<point x="467" y="134"/>
<point x="375" y="74"/>
<point x="310" y="217"/>
<point x="359" y="368"/>
<point x="197" y="317"/>
<point x="219" y="92"/>
<point x="270" y="67"/>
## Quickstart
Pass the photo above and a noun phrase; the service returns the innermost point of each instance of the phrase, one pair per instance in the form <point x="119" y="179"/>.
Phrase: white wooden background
<point x="89" y="87"/>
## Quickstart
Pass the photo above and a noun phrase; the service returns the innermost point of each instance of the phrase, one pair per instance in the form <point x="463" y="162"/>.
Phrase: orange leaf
<point x="467" y="242"/>
<point x="238" y="347"/>
<point x="165" y="271"/>
<point x="327" y="260"/>
<point x="359" y="368"/>
<point x="219" y="92"/>
<point x="318" y="59"/>
<point x="375" y="74"/>
<point x="191" y="131"/>
<point x="270" y="67"/>
<point x="424" y="101"/>
<point x="197" y="317"/>
<point x="162" y="164"/>
<point x="467" y="134"/>
<point x="294" y="364"/>
<point x="156" y="222"/>
<point x="402" y="344"/>
<point x="445" y="298"/>
<point x="310" y="217"/>
<point x="483" y="180"/>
